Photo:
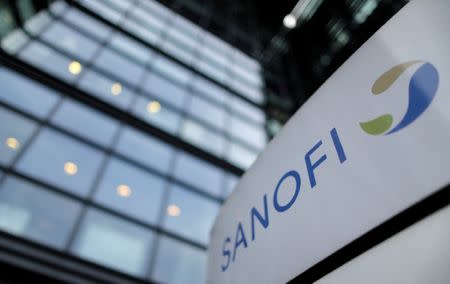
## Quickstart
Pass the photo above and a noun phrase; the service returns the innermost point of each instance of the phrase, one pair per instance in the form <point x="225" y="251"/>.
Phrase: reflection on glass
<point x="51" y="61"/>
<point x="145" y="149"/>
<point x="62" y="161"/>
<point x="198" y="173"/>
<point x="240" y="156"/>
<point x="172" y="70"/>
<point x="86" y="122"/>
<point x="252" y="134"/>
<point x="32" y="212"/>
<point x="15" y="131"/>
<point x="202" y="137"/>
<point x="37" y="23"/>
<point x="115" y="243"/>
<point x="208" y="112"/>
<point x="211" y="90"/>
<point x="196" y="218"/>
<point x="165" y="90"/>
<point x="119" y="66"/>
<point x="26" y="94"/>
<point x="131" y="190"/>
<point x="131" y="48"/>
<point x="230" y="184"/>
<point x="104" y="9"/>
<point x="178" y="263"/>
<point x="163" y="118"/>
<point x="69" y="40"/>
<point x="101" y="87"/>
<point x="87" y="23"/>
<point x="247" y="110"/>
<point x="14" y="41"/>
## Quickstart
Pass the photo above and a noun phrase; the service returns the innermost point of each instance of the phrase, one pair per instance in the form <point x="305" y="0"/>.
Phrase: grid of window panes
<point x="126" y="73"/>
<point x="85" y="183"/>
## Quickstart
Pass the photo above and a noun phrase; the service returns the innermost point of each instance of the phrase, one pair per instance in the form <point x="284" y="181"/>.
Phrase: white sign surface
<point x="372" y="141"/>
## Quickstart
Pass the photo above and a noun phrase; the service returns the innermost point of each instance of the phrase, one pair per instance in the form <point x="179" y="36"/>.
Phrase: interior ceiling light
<point x="290" y="21"/>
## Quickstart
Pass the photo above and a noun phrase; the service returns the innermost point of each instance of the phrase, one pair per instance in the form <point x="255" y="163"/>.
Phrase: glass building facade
<point x="124" y="126"/>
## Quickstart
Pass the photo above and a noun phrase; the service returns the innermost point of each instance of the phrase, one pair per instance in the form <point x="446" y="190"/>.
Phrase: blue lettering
<point x="310" y="167"/>
<point x="227" y="253"/>
<point x="338" y="145"/>
<point x="264" y="221"/>
<point x="240" y="239"/>
<point x="282" y="208"/>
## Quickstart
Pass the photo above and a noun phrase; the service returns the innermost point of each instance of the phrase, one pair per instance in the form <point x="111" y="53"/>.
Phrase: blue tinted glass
<point x="87" y="23"/>
<point x="131" y="190"/>
<point x="113" y="63"/>
<point x="32" y="212"/>
<point x="245" y="109"/>
<point x="15" y="131"/>
<point x="112" y="92"/>
<point x="38" y="22"/>
<point x="210" y="90"/>
<point x="165" y="90"/>
<point x="198" y="173"/>
<point x="252" y="134"/>
<point x="157" y="114"/>
<point x="115" y="243"/>
<point x="104" y="9"/>
<point x="141" y="31"/>
<point x="172" y="70"/>
<point x="26" y="94"/>
<point x="14" y="41"/>
<point x="67" y="39"/>
<point x="179" y="263"/>
<point x="241" y="156"/>
<point x="178" y="51"/>
<point x="211" y="113"/>
<point x="145" y="149"/>
<point x="230" y="184"/>
<point x="62" y="161"/>
<point x="131" y="48"/>
<point x="190" y="215"/>
<point x="203" y="137"/>
<point x="85" y="122"/>
<point x="51" y="61"/>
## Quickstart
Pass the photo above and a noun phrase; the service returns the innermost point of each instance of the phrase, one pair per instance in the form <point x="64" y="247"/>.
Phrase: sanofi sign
<point x="371" y="142"/>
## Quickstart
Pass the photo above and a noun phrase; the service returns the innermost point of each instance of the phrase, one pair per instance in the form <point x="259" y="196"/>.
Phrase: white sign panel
<point x="372" y="141"/>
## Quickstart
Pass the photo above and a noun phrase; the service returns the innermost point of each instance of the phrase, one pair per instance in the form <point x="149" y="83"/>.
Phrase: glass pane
<point x="62" y="161"/>
<point x="115" y="243"/>
<point x="179" y="263"/>
<point x="131" y="48"/>
<point x="104" y="9"/>
<point x="84" y="121"/>
<point x="208" y="112"/>
<point x="26" y="94"/>
<point x="210" y="90"/>
<point x="133" y="144"/>
<point x="51" y="61"/>
<point x="15" y="131"/>
<point x="67" y="39"/>
<point x="198" y="173"/>
<point x="172" y="70"/>
<point x="243" y="108"/>
<point x="212" y="71"/>
<point x="190" y="215"/>
<point x="240" y="156"/>
<point x="155" y="7"/>
<point x="131" y="190"/>
<point x="32" y="212"/>
<point x="165" y="90"/>
<point x="178" y="51"/>
<point x="112" y="92"/>
<point x="141" y="31"/>
<point x="147" y="19"/>
<point x="87" y="23"/>
<point x="230" y="184"/>
<point x="157" y="114"/>
<point x="202" y="137"/>
<point x="253" y="93"/>
<point x="38" y="22"/>
<point x="252" y="134"/>
<point x="115" y="64"/>
<point x="14" y="41"/>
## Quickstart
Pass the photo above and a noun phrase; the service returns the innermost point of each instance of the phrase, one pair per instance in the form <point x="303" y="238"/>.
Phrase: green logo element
<point x="422" y="89"/>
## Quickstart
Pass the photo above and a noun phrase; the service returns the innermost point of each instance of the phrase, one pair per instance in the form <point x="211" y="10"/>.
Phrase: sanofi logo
<point x="286" y="191"/>
<point x="422" y="89"/>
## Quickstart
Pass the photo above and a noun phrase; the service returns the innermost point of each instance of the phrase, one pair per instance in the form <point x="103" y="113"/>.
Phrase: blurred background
<point x="125" y="124"/>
